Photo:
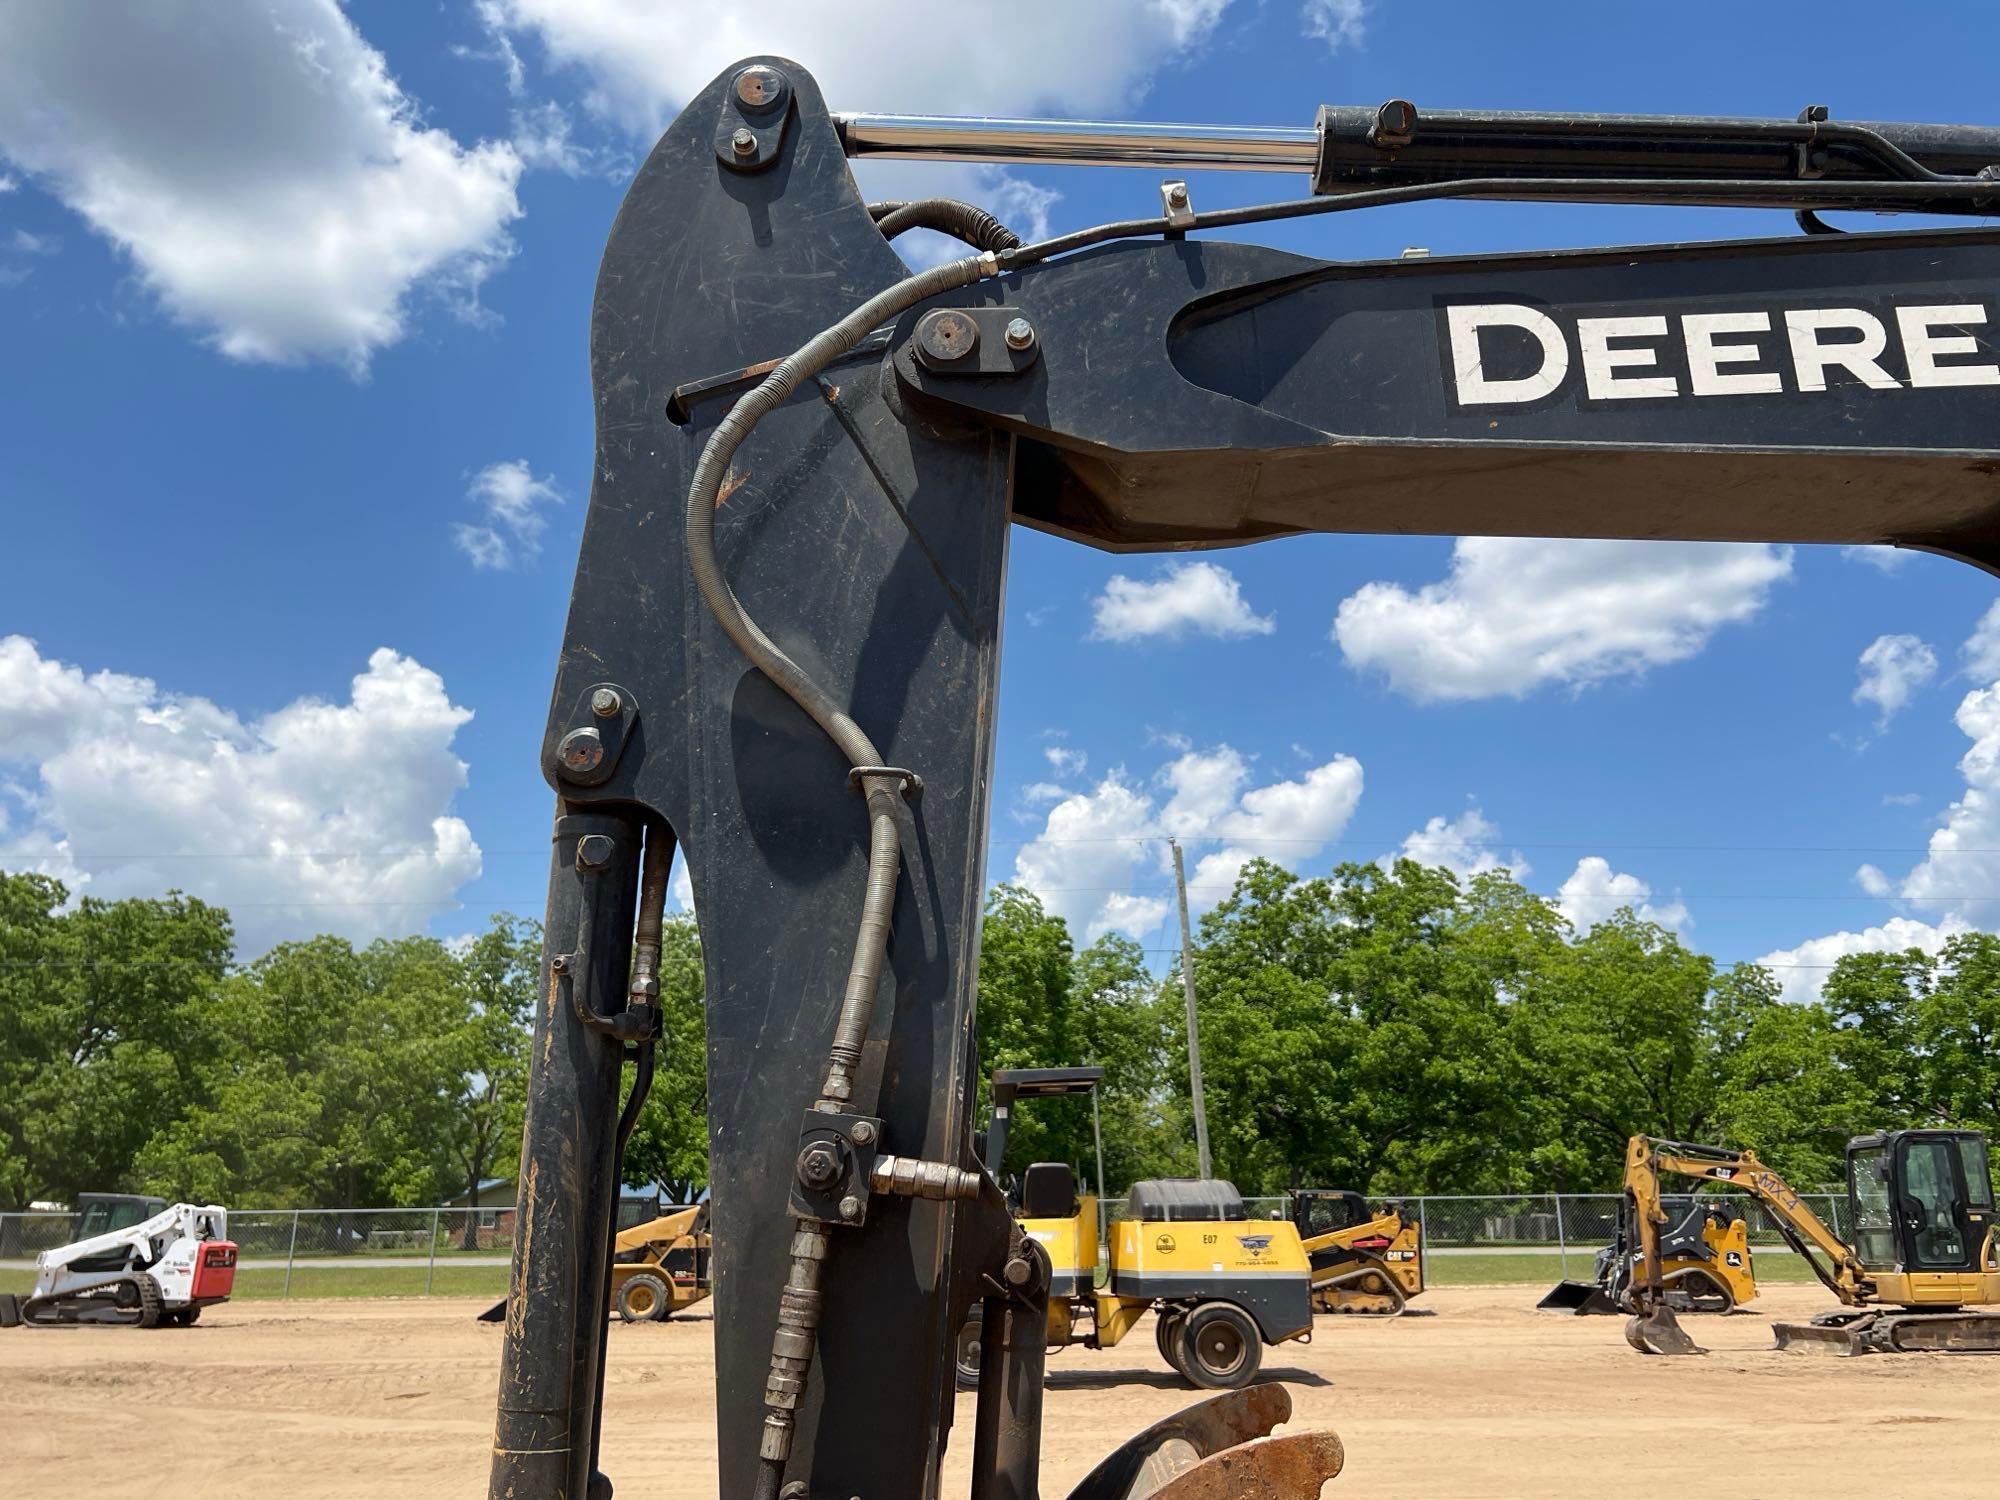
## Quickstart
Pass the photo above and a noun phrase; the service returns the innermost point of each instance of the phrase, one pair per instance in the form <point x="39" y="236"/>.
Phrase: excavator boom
<point x="783" y="647"/>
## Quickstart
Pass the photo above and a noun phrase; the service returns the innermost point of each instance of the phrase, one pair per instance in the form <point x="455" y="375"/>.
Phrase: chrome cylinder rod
<point x="1081" y="143"/>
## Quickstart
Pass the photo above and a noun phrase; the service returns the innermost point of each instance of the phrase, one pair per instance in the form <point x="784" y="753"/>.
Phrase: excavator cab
<point x="1922" y="1202"/>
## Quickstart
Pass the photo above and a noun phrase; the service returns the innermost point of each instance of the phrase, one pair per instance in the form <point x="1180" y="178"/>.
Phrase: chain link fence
<point x="415" y="1252"/>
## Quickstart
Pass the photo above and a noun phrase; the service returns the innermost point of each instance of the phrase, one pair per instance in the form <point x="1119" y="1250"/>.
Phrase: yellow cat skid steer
<point x="1364" y="1260"/>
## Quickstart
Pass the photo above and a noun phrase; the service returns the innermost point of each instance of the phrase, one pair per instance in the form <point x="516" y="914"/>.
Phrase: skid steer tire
<point x="645" y="1299"/>
<point x="1221" y="1349"/>
<point x="10" y="1310"/>
<point x="184" y="1317"/>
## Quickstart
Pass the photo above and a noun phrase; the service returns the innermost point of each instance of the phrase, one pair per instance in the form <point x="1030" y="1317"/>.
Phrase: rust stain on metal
<point x="731" y="483"/>
<point x="1281" y="1468"/>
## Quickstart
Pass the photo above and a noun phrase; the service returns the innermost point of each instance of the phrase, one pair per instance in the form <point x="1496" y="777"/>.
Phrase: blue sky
<point x="294" y="300"/>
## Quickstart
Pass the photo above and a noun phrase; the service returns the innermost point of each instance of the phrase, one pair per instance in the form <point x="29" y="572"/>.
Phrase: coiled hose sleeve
<point x="963" y="221"/>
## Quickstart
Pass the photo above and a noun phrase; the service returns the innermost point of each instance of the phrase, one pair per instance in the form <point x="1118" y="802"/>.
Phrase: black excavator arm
<point x="783" y="649"/>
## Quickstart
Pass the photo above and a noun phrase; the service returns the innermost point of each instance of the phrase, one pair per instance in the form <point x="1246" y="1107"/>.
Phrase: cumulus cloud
<point x="1097" y="845"/>
<point x="1466" y="845"/>
<point x="1594" y="892"/>
<point x="1516" y="614"/>
<point x="1338" y="23"/>
<point x="1801" y="971"/>
<point x="1980" y="655"/>
<point x="1184" y="598"/>
<point x="319" y="817"/>
<point x="1893" y="669"/>
<point x="513" y="501"/>
<point x="270" y="182"/>
<point x="1883" y="559"/>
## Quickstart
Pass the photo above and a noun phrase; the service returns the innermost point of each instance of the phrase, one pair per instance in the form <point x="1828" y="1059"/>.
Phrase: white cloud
<point x="1893" y="669"/>
<point x="1883" y="559"/>
<point x="1338" y="23"/>
<point x="1962" y="867"/>
<point x="1516" y="614"/>
<point x="319" y="817"/>
<point x="1901" y="799"/>
<point x="1594" y="892"/>
<point x="272" y="184"/>
<point x="7" y="184"/>
<point x="1871" y="879"/>
<point x="640" y="62"/>
<point x="1801" y="971"/>
<point x="1067" y="762"/>
<point x="1202" y="598"/>
<point x="1095" y="846"/>
<point x="1980" y="655"/>
<point x="34" y="244"/>
<point x="514" y="501"/>
<point x="1466" y="845"/>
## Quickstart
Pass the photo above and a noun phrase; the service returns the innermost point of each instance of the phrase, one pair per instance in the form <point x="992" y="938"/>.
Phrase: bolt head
<point x="850" y="1207"/>
<point x="594" y="851"/>
<point x="819" y="1166"/>
<point x="581" y="751"/>
<point x="743" y="142"/>
<point x="605" y="703"/>
<point x="1177" y="192"/>
<point x="1020" y="334"/>
<point x="759" y="87"/>
<point x="863" y="1133"/>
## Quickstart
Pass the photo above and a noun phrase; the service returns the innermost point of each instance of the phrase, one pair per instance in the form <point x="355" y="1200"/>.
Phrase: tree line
<point x="1391" y="1030"/>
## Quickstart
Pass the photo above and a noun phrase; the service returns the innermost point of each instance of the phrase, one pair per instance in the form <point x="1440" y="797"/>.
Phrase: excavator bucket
<point x="1579" y="1297"/>
<point x="1660" y="1332"/>
<point x="1219" y="1449"/>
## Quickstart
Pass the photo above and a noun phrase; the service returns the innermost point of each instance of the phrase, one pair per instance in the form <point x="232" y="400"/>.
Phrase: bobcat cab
<point x="1365" y="1260"/>
<point x="1223" y="1285"/>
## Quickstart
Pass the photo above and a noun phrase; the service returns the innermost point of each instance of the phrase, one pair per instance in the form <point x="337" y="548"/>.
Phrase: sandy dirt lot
<point x="316" y="1400"/>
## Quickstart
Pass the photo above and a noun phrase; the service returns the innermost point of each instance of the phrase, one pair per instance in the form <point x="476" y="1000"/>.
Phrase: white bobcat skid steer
<point x="165" y="1270"/>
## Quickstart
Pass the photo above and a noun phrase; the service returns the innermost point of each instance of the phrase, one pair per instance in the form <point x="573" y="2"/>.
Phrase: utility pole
<point x="1194" y="1031"/>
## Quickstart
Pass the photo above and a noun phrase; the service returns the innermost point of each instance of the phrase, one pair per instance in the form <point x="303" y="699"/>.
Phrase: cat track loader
<point x="1365" y="1261"/>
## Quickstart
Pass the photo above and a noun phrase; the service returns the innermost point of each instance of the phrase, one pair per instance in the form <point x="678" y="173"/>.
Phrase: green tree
<point x="1958" y="1034"/>
<point x="491" y="1017"/>
<point x="107" y="1031"/>
<point x="1027" y="982"/>
<point x="335" y="1083"/>
<point x="669" y="1144"/>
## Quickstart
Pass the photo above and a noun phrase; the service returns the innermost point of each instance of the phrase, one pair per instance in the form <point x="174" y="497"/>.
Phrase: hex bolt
<point x="744" y="142"/>
<point x="605" y="703"/>
<point x="581" y="751"/>
<point x="594" y="851"/>
<point x="863" y="1133"/>
<point x="1177" y="192"/>
<point x="1020" y="334"/>
<point x="850" y="1207"/>
<point x="819" y="1166"/>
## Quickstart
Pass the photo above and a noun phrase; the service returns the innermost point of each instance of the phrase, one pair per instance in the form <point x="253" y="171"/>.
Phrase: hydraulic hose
<point x="799" y="1307"/>
<point x="963" y="221"/>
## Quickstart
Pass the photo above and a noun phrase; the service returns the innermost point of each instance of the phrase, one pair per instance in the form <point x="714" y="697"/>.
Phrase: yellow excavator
<point x="658" y="1268"/>
<point x="1706" y="1264"/>
<point x="1922" y="1265"/>
<point x="1365" y="1260"/>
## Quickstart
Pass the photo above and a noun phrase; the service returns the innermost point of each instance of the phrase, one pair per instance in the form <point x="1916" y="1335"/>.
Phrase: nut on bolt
<point x="594" y="851"/>
<point x="850" y="1207"/>
<point x="863" y="1133"/>
<point x="819" y="1166"/>
<point x="1020" y="334"/>
<point x="605" y="703"/>
<point x="743" y="142"/>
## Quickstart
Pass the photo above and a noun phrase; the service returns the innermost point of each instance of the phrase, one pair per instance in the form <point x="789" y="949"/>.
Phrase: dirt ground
<point x="316" y="1400"/>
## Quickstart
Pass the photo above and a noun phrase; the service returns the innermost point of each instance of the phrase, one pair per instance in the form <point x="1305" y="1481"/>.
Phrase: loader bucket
<point x="1580" y="1297"/>
<point x="1660" y="1332"/>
